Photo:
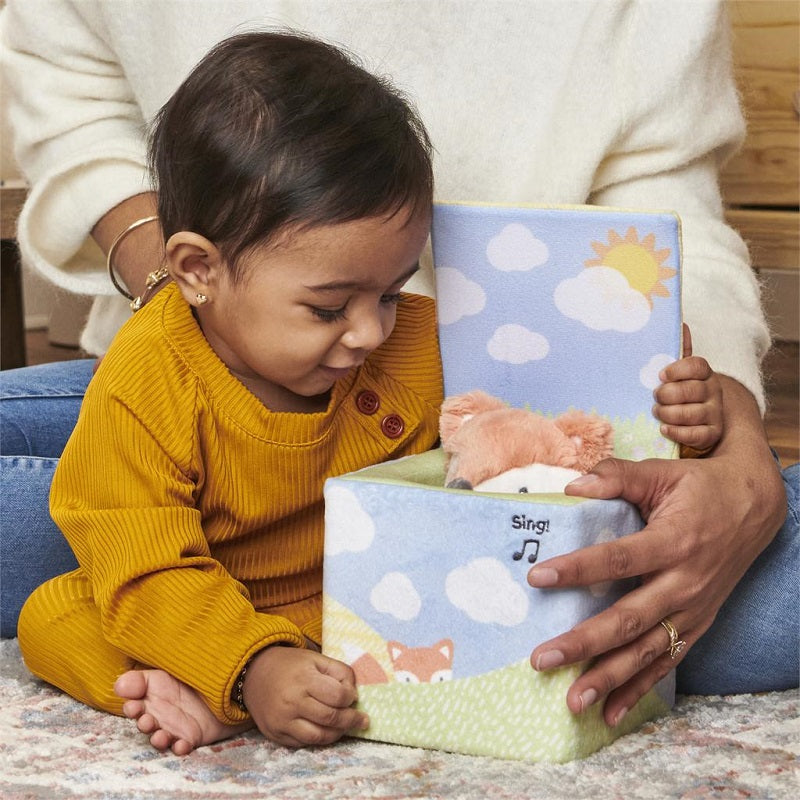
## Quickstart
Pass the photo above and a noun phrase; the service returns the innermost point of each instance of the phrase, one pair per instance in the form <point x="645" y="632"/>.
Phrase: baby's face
<point x="313" y="307"/>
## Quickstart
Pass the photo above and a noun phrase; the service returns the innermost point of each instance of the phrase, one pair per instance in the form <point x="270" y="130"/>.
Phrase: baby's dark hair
<point x="277" y="129"/>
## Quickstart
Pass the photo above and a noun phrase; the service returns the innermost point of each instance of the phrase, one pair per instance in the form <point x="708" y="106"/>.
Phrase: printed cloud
<point x="395" y="594"/>
<point x="486" y="591"/>
<point x="516" y="344"/>
<point x="602" y="299"/>
<point x="350" y="529"/>
<point x="464" y="297"/>
<point x="648" y="374"/>
<point x="516" y="249"/>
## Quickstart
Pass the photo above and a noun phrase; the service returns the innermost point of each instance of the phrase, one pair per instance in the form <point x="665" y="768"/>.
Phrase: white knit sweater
<point x="610" y="102"/>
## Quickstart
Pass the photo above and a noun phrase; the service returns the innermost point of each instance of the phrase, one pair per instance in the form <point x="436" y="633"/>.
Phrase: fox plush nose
<point x="459" y="483"/>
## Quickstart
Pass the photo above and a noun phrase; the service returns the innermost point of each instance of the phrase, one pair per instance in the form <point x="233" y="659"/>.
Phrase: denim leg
<point x="32" y="548"/>
<point x="39" y="406"/>
<point x="753" y="644"/>
<point x="38" y="409"/>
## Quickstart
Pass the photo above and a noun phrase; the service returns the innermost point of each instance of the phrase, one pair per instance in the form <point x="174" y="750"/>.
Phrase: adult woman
<point x="615" y="103"/>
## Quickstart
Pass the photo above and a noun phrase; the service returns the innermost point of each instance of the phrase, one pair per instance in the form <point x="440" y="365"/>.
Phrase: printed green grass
<point x="513" y="713"/>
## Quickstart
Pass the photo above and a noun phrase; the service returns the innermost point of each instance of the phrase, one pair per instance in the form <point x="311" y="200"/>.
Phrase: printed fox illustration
<point x="409" y="664"/>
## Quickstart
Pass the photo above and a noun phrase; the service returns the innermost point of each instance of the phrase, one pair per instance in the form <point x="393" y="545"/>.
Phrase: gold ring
<point x="676" y="644"/>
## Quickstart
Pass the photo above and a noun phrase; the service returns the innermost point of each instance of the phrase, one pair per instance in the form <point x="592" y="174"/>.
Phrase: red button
<point x="368" y="402"/>
<point x="393" y="426"/>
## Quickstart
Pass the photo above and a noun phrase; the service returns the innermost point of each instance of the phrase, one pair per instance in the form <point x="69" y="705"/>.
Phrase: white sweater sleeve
<point x="78" y="135"/>
<point x="683" y="120"/>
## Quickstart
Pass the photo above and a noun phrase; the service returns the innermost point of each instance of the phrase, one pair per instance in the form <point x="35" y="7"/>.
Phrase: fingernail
<point x="584" y="480"/>
<point x="549" y="659"/>
<point x="620" y="716"/>
<point x="541" y="577"/>
<point x="588" y="698"/>
<point x="364" y="723"/>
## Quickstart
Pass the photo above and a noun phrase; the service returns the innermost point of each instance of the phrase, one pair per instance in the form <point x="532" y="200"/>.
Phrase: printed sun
<point x="638" y="261"/>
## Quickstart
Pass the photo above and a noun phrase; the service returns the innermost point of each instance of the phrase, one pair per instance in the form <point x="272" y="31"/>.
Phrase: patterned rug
<point x="708" y="747"/>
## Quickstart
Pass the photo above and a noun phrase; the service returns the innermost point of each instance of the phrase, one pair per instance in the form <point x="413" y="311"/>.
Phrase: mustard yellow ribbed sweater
<point x="196" y="513"/>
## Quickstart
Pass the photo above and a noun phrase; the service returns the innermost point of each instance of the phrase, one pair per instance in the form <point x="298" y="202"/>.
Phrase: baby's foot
<point x="173" y="714"/>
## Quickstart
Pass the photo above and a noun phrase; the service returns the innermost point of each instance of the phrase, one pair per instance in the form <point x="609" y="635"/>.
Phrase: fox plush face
<point x="493" y="447"/>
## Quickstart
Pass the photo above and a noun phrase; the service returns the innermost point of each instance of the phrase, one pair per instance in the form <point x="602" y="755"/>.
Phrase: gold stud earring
<point x="201" y="298"/>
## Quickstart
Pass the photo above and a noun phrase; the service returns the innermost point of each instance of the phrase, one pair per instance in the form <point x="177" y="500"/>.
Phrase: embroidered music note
<point x="531" y="556"/>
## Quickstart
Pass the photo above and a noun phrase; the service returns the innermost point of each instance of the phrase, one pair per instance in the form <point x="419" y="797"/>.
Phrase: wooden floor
<point x="780" y="370"/>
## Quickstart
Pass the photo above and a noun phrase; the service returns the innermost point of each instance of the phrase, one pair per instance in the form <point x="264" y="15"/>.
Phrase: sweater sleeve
<point x="77" y="131"/>
<point x="132" y="522"/>
<point x="681" y="122"/>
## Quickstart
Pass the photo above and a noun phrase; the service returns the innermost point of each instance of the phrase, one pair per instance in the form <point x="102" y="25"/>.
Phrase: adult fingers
<point x="622" y="623"/>
<point x="636" y="554"/>
<point x="630" y="556"/>
<point x="622" y="676"/>
<point x="625" y="697"/>
<point x="639" y="482"/>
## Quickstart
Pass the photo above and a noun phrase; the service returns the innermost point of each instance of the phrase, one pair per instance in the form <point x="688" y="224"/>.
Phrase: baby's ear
<point x="194" y="263"/>
<point x="459" y="408"/>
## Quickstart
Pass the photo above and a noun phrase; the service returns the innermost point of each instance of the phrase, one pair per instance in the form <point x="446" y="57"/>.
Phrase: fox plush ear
<point x="459" y="408"/>
<point x="592" y="435"/>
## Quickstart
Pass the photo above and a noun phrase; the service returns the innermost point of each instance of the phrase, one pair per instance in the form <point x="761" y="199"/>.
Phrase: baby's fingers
<point x="319" y="724"/>
<point x="335" y="719"/>
<point x="338" y="670"/>
<point x="687" y="341"/>
<point x="692" y="368"/>
<point x="331" y="696"/>
<point x="686" y="394"/>
<point x="329" y="691"/>
<point x="698" y="437"/>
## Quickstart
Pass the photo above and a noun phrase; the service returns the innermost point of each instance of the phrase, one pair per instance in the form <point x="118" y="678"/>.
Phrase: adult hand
<point x="707" y="521"/>
<point x="300" y="697"/>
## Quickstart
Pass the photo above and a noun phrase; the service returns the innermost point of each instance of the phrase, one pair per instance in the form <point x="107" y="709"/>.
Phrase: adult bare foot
<point x="173" y="714"/>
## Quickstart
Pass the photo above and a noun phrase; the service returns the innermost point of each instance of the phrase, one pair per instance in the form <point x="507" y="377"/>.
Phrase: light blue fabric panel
<point x="558" y="308"/>
<point x="419" y="565"/>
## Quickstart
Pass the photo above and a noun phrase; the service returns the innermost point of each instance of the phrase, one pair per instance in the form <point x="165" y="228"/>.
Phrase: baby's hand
<point x="300" y="697"/>
<point x="689" y="401"/>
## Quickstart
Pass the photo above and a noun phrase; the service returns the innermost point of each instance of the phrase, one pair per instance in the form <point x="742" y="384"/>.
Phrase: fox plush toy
<point x="493" y="447"/>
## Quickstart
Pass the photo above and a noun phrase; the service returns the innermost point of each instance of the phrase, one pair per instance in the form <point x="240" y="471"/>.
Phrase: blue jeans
<point x="38" y="410"/>
<point x="752" y="646"/>
<point x="754" y="643"/>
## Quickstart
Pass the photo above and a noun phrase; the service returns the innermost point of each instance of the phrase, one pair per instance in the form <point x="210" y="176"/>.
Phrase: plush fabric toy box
<point x="425" y="589"/>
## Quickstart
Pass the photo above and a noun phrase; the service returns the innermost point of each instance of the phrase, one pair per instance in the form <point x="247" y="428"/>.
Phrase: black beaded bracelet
<point x="237" y="695"/>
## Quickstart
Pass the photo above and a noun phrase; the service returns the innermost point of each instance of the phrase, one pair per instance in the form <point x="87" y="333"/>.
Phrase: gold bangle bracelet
<point x="111" y="250"/>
